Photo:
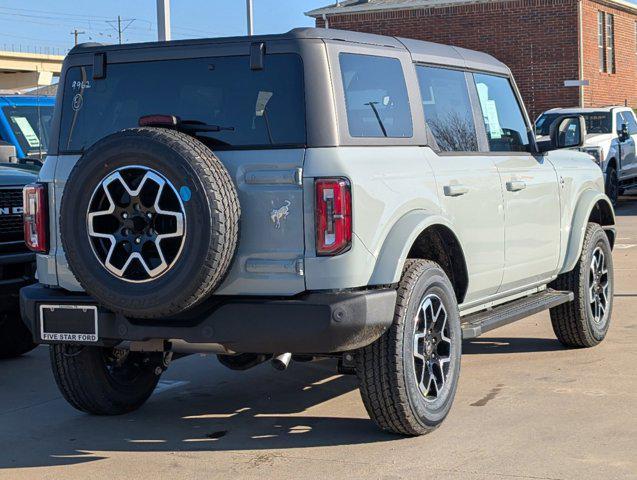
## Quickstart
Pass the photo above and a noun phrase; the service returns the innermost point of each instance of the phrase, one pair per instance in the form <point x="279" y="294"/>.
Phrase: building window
<point x="600" y="42"/>
<point x="606" y="41"/>
<point x="610" y="43"/>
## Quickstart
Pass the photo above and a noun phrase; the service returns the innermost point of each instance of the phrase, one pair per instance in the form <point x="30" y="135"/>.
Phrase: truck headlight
<point x="596" y="152"/>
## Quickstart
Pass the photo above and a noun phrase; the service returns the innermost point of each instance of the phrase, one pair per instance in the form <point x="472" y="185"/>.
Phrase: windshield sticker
<point x="78" y="101"/>
<point x="489" y="111"/>
<point x="28" y="132"/>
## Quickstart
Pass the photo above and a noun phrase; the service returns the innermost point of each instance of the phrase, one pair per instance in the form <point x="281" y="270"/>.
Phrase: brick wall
<point x="605" y="88"/>
<point x="537" y="39"/>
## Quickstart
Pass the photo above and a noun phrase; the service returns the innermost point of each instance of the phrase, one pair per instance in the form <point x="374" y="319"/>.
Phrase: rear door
<point x="467" y="179"/>
<point x="529" y="185"/>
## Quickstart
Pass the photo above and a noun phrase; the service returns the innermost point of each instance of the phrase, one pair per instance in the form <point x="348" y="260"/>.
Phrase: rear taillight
<point x="35" y="217"/>
<point x="333" y="216"/>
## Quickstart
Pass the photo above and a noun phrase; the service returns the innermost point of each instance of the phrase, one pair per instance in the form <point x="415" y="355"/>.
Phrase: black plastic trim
<point x="307" y="323"/>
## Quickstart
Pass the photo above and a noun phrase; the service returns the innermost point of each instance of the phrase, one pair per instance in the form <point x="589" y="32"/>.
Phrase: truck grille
<point x="10" y="218"/>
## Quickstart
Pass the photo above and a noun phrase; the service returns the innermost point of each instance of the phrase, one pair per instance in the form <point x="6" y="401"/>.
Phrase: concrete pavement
<point x="525" y="408"/>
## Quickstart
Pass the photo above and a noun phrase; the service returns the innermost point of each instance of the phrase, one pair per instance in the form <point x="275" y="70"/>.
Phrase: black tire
<point x="92" y="381"/>
<point x="210" y="205"/>
<point x="15" y="337"/>
<point x="387" y="369"/>
<point x="612" y="185"/>
<point x="574" y="323"/>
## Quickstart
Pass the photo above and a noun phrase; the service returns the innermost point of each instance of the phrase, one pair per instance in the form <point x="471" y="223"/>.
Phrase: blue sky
<point x="48" y="23"/>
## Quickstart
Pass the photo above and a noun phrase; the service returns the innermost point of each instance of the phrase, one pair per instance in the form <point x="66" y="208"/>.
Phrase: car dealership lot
<point x="525" y="408"/>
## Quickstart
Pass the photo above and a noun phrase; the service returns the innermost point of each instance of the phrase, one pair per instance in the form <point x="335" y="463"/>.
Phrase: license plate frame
<point x="52" y="326"/>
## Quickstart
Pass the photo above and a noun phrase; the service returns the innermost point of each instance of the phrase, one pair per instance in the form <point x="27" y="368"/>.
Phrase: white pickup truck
<point x="611" y="139"/>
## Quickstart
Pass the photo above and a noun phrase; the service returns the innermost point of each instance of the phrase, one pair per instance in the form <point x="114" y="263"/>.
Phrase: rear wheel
<point x="105" y="381"/>
<point x="585" y="321"/>
<point x="408" y="377"/>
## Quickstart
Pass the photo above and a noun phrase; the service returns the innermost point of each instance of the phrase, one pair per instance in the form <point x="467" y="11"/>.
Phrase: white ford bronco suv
<point x="318" y="193"/>
<point x="611" y="139"/>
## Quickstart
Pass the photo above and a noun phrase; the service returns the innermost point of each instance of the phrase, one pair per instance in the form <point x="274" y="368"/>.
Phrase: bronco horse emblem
<point x="279" y="214"/>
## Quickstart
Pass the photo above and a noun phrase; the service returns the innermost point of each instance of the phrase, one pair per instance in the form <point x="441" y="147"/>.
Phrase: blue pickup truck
<point x="24" y="135"/>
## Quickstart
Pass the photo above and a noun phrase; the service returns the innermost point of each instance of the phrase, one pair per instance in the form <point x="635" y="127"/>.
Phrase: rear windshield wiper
<point x="172" y="121"/>
<point x="380" y="122"/>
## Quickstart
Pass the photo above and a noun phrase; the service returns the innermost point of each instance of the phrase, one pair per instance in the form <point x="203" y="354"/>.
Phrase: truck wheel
<point x="612" y="185"/>
<point x="104" y="381"/>
<point x="408" y="377"/>
<point x="15" y="337"/>
<point x="149" y="222"/>
<point x="585" y="321"/>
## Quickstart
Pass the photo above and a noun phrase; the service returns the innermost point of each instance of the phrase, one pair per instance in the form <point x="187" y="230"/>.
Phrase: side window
<point x="375" y="96"/>
<point x="629" y="119"/>
<point x="448" y="114"/>
<point x="503" y="119"/>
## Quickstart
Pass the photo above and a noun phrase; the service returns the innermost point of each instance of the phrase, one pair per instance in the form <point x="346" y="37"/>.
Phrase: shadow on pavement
<point x="238" y="411"/>
<point x="486" y="345"/>
<point x="626" y="206"/>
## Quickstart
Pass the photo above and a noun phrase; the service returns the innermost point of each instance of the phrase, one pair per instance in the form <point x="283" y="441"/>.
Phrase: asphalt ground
<point x="526" y="408"/>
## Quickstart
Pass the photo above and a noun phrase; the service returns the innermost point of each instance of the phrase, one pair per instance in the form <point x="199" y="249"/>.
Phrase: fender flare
<point x="399" y="240"/>
<point x="587" y="201"/>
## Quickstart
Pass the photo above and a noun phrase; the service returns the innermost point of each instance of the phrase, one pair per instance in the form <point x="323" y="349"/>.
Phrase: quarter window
<point x="375" y="96"/>
<point x="503" y="119"/>
<point x="448" y="114"/>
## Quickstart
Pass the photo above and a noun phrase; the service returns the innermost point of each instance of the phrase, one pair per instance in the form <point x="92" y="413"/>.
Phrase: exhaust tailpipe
<point x="281" y="361"/>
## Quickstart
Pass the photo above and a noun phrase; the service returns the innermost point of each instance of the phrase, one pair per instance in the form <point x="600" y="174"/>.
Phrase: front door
<point x="529" y="184"/>
<point x="467" y="179"/>
<point x="627" y="147"/>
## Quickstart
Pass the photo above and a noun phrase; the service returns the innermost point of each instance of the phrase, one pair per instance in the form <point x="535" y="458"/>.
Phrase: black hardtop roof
<point x="427" y="52"/>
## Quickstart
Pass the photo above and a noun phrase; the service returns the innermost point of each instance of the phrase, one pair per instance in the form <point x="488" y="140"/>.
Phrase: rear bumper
<point x="308" y="323"/>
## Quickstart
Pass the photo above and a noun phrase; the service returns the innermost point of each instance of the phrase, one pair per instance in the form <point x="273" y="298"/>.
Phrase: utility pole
<point x="249" y="16"/>
<point x="119" y="27"/>
<point x="76" y="33"/>
<point x="163" y="20"/>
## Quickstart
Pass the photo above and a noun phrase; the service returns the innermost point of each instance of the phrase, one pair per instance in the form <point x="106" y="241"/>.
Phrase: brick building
<point x="544" y="42"/>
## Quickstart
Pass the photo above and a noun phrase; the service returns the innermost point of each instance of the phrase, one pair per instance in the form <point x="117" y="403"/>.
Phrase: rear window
<point x="255" y="108"/>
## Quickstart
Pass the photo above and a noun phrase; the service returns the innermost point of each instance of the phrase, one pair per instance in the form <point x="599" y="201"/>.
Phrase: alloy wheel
<point x="432" y="347"/>
<point x="599" y="284"/>
<point x="136" y="224"/>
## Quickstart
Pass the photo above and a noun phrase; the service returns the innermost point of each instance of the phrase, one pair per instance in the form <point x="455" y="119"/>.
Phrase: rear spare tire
<point x="149" y="222"/>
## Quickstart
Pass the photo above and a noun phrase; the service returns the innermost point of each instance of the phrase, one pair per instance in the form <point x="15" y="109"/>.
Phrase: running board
<point x="476" y="324"/>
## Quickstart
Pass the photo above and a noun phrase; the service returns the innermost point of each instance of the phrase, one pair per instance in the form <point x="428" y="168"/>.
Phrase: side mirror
<point x="566" y="131"/>
<point x="7" y="153"/>
<point x="623" y="133"/>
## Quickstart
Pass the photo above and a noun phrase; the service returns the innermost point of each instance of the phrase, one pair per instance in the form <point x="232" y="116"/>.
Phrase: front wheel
<point x="105" y="381"/>
<point x="585" y="321"/>
<point x="408" y="377"/>
<point x="612" y="185"/>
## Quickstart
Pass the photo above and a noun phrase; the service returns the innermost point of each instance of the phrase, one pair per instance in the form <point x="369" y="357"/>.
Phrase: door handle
<point x="454" y="190"/>
<point x="516" y="185"/>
